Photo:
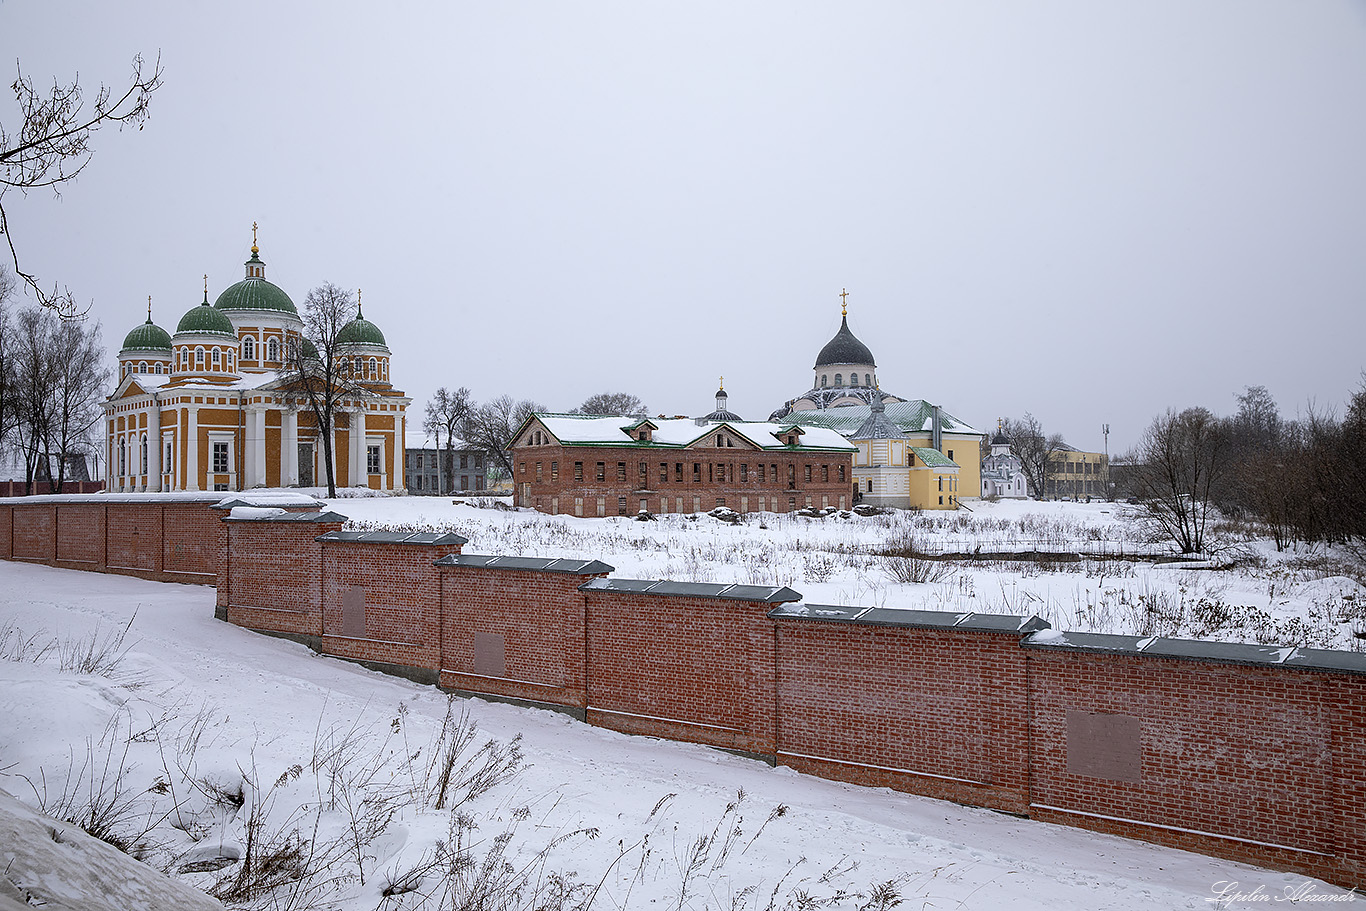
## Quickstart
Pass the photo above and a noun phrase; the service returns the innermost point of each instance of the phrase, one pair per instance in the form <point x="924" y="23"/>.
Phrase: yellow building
<point x="1075" y="475"/>
<point x="210" y="408"/>
<point x="911" y="454"/>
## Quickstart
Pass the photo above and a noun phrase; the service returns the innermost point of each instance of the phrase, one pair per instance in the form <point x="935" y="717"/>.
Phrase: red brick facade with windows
<point x="1251" y="753"/>
<point x="611" y="481"/>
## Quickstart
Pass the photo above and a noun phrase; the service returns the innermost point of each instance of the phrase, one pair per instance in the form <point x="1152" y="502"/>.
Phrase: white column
<point x="256" y="477"/>
<point x="357" y="471"/>
<point x="192" y="449"/>
<point x="383" y="472"/>
<point x="154" y="447"/>
<point x="289" y="449"/>
<point x="249" y="449"/>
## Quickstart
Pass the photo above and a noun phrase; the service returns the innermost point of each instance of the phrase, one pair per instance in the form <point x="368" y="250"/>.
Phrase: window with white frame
<point x="220" y="456"/>
<point x="372" y="459"/>
<point x="273" y="350"/>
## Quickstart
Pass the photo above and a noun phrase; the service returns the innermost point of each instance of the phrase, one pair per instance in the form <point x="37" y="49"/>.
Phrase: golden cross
<point x="253" y="234"/>
<point x="149" y="308"/>
<point x="358" y="310"/>
<point x="206" y="286"/>
<point x="723" y="379"/>
<point x="844" y="302"/>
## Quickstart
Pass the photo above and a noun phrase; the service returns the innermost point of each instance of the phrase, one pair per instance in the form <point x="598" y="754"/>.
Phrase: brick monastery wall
<point x="1260" y="760"/>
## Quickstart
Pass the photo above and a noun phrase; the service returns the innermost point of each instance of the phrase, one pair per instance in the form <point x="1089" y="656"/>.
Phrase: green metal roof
<point x="933" y="458"/>
<point x="255" y="295"/>
<point x="360" y="331"/>
<point x="205" y="319"/>
<point x="148" y="337"/>
<point x="915" y="416"/>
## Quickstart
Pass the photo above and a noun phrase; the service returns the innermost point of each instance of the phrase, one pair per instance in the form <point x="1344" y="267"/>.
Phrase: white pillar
<point x="192" y="449"/>
<point x="383" y="468"/>
<point x="289" y="449"/>
<point x="154" y="447"/>
<point x="256" y="477"/>
<point x="357" y="471"/>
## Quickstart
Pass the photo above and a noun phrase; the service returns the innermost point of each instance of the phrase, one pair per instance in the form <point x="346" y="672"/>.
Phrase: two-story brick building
<point x="594" y="465"/>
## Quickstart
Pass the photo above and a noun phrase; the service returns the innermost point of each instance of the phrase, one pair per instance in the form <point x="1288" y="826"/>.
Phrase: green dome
<point x="204" y="319"/>
<point x="360" y="331"/>
<point x="309" y="349"/>
<point x="148" y="337"/>
<point x="255" y="295"/>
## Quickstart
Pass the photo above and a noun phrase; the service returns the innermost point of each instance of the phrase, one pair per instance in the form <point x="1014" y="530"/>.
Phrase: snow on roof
<point x="915" y="416"/>
<point x="597" y="430"/>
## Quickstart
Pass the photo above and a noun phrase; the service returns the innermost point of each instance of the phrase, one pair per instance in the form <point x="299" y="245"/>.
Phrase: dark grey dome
<point x="844" y="348"/>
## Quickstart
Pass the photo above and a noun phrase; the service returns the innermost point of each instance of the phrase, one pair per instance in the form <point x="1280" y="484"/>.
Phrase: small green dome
<point x="148" y="337"/>
<point x="205" y="319"/>
<point x="309" y="349"/>
<point x="361" y="331"/>
<point x="254" y="294"/>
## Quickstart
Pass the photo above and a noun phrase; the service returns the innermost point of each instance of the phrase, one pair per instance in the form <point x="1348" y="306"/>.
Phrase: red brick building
<point x="592" y="465"/>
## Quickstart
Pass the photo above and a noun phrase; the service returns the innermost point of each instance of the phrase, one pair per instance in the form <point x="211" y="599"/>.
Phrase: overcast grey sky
<point x="1091" y="211"/>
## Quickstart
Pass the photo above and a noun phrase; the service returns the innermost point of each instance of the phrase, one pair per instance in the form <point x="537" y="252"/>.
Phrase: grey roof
<point x="913" y="619"/>
<point x="527" y="564"/>
<point x="394" y="537"/>
<point x="844" y="348"/>
<point x="1314" y="659"/>
<point x="877" y="427"/>
<point x="723" y="415"/>
<point x="316" y="517"/>
<point x="761" y="593"/>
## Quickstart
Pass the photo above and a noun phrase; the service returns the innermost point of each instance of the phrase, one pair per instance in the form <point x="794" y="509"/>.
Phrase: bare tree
<point x="1036" y="451"/>
<point x="9" y="406"/>
<point x="447" y="414"/>
<point x="34" y="331"/>
<point x="1182" y="458"/>
<point x="78" y="375"/>
<point x="51" y="146"/>
<point x="492" y="425"/>
<point x="613" y="403"/>
<point x="322" y="381"/>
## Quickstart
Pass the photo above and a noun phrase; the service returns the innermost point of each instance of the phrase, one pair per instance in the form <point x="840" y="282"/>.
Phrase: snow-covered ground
<point x="1294" y="598"/>
<point x="192" y="735"/>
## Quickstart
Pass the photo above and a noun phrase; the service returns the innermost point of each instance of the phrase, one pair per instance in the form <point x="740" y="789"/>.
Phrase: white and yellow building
<point x="210" y="408"/>
<point x="911" y="454"/>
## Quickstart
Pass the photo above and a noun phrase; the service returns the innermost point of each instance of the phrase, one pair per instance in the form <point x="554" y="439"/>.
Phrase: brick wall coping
<point x="316" y="517"/>
<point x="273" y="498"/>
<point x="762" y="593"/>
<point x="1310" y="659"/>
<point x="100" y="499"/>
<point x="394" y="537"/>
<point x="527" y="564"/>
<point x="912" y="619"/>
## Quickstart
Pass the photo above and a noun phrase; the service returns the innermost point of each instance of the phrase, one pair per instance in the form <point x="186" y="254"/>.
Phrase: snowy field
<point x="199" y="744"/>
<point x="1246" y="592"/>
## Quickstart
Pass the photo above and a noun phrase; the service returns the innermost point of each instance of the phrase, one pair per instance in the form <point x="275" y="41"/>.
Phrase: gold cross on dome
<point x="149" y="308"/>
<point x="723" y="379"/>
<point x="253" y="234"/>
<point x="844" y="302"/>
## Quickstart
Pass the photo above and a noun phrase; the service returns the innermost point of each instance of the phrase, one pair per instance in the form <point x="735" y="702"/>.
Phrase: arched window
<point x="853" y="379"/>
<point x="373" y="371"/>
<point x="123" y="456"/>
<point x="248" y="349"/>
<point x="346" y="366"/>
<point x="273" y="350"/>
<point x="144" y="453"/>
<point x="142" y="366"/>
<point x="356" y="365"/>
<point x="867" y="379"/>
<point x="184" y="358"/>
<point x="839" y="379"/>
<point x="230" y="357"/>
<point x="199" y="357"/>
<point x="823" y="379"/>
<point x="214" y="357"/>
<point x="127" y="369"/>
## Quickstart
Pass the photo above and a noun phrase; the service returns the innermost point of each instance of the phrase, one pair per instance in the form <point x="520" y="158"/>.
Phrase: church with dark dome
<point x="912" y="454"/>
<point x="845" y="374"/>
<point x="212" y="406"/>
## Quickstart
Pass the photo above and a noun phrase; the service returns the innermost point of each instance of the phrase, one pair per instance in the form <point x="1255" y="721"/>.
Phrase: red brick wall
<point x="272" y="576"/>
<point x="1346" y="694"/>
<point x="35" y="532"/>
<point x="136" y="537"/>
<point x="1244" y="755"/>
<point x="538" y="618"/>
<point x="80" y="534"/>
<point x="402" y="596"/>
<point x="698" y="670"/>
<point x="566" y="489"/>
<point x="936" y="712"/>
<point x="192" y="544"/>
<point x="6" y="530"/>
